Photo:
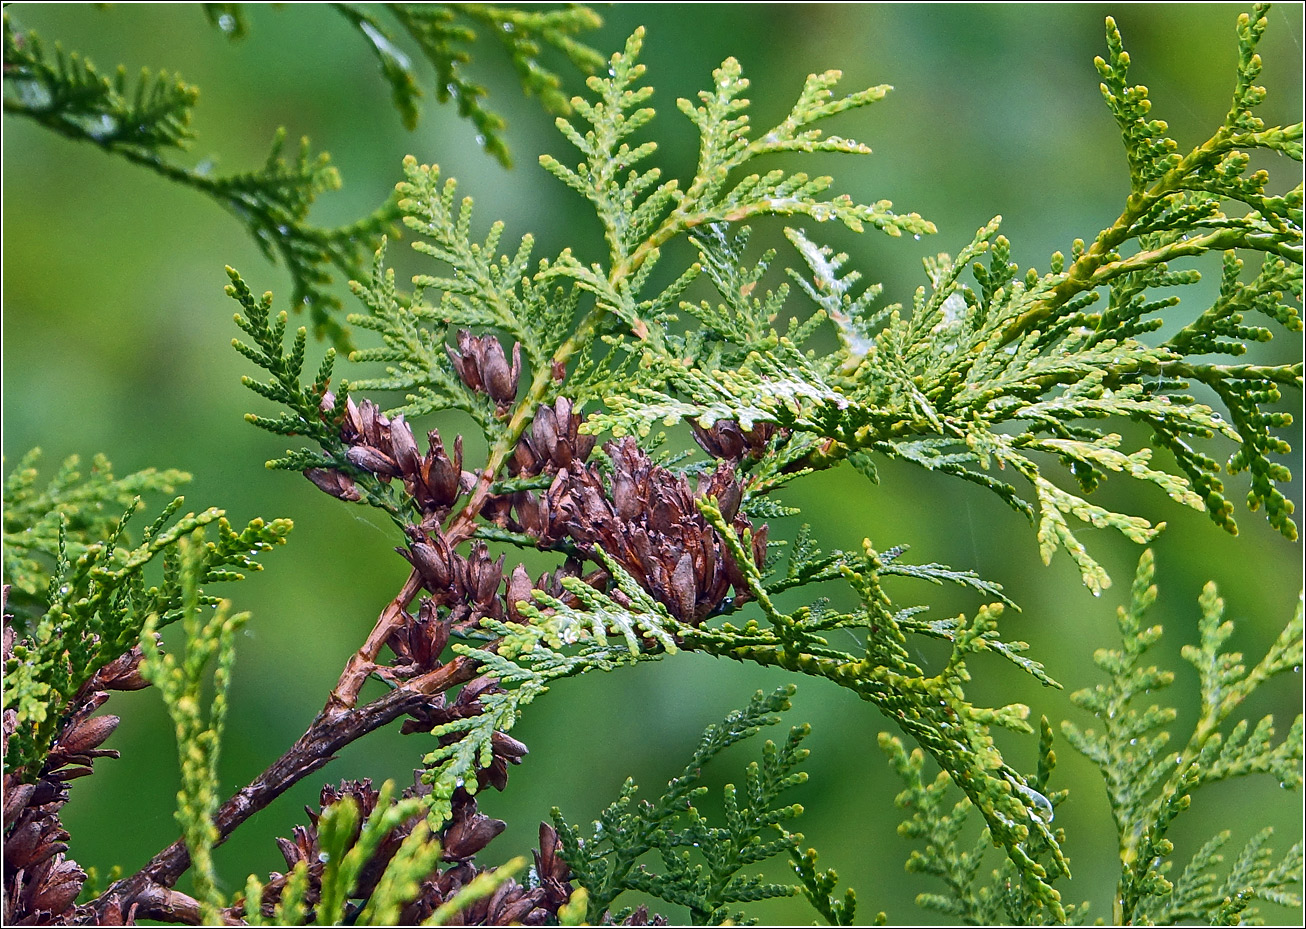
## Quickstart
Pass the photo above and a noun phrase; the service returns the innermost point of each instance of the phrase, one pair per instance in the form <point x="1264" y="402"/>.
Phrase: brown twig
<point x="332" y="729"/>
<point x="341" y="721"/>
<point x="361" y="664"/>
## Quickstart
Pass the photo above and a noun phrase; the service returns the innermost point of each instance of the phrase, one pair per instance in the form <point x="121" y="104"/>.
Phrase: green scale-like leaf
<point x="1148" y="786"/>
<point x="973" y="379"/>
<point x="96" y="599"/>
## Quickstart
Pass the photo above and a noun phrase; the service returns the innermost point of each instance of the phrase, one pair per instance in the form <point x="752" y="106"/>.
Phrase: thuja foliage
<point x="607" y="863"/>
<point x="66" y="550"/>
<point x="148" y="122"/>
<point x="1148" y="786"/>
<point x="1023" y="382"/>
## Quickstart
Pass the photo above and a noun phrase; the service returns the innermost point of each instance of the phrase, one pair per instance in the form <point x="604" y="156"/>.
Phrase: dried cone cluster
<point x="466" y="834"/>
<point x="729" y="441"/>
<point x="41" y="884"/>
<point x="386" y="448"/>
<point x="647" y="519"/>
<point x="552" y="443"/>
<point x="467" y="586"/>
<point x="643" y="516"/>
<point x="480" y="362"/>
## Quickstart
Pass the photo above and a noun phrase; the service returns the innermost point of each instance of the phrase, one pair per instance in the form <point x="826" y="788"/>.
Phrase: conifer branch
<point x="607" y="863"/>
<point x="61" y="521"/>
<point x="145" y="123"/>
<point x="442" y="32"/>
<point x="989" y="369"/>
<point x="181" y="682"/>
<point x="1148" y="787"/>
<point x="943" y="386"/>
<point x="97" y="601"/>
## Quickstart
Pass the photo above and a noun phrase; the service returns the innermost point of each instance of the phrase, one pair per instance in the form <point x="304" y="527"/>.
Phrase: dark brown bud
<point x="466" y="360"/>
<point x="546" y="516"/>
<point x="431" y="555"/>
<point x="419" y="642"/>
<point x="498" y="509"/>
<point x="483" y="575"/>
<point x="87" y="735"/>
<point x="482" y="366"/>
<point x="532" y="514"/>
<point x="524" y="460"/>
<point x="511" y="910"/>
<point x="363" y="424"/>
<point x="475" y="687"/>
<point x="682" y="589"/>
<point x="22" y="844"/>
<point x="16" y="800"/>
<point x="759" y="546"/>
<point x="551" y="582"/>
<point x="517" y="590"/>
<point x="544" y="432"/>
<point x="123" y="673"/>
<point x="59" y="887"/>
<point x="722" y="485"/>
<point x="371" y="459"/>
<point x="500" y="380"/>
<point x="553" y="441"/>
<point x="436" y="631"/>
<point x="505" y="745"/>
<point x="351" y="426"/>
<point x="333" y="482"/>
<point x="440" y="475"/>
<point x="361" y="791"/>
<point x="727" y="439"/>
<point x="291" y="851"/>
<point x="49" y="791"/>
<point x="551" y="870"/>
<point x="468" y="832"/>
<point x="403" y="448"/>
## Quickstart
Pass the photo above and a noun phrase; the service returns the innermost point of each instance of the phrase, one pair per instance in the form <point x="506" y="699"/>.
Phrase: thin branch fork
<point x="341" y="722"/>
<point x="335" y="727"/>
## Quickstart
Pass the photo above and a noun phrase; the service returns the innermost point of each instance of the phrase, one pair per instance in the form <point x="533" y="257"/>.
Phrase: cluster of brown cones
<point x="644" y="516"/>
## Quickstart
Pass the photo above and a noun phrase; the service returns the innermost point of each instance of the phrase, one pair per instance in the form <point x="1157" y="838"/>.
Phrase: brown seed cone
<point x="419" y="642"/>
<point x="553" y="873"/>
<point x="482" y="366"/>
<point x="335" y="483"/>
<point x="728" y="440"/>
<point x="647" y="519"/>
<point x="437" y="563"/>
<point x="517" y="589"/>
<point x="552" y="442"/>
<point x="437" y="479"/>
<point x="467" y="832"/>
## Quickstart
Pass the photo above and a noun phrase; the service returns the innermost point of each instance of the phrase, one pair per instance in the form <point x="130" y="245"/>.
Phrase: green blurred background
<point x="116" y="340"/>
